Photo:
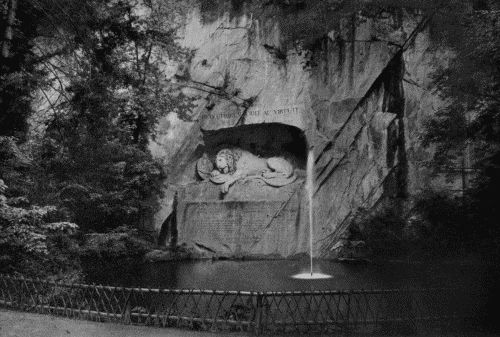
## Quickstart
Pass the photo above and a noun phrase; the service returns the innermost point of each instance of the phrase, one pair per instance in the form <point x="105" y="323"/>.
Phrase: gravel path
<point x="21" y="324"/>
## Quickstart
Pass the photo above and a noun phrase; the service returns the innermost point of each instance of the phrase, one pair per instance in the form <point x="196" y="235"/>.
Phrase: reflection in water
<point x="274" y="275"/>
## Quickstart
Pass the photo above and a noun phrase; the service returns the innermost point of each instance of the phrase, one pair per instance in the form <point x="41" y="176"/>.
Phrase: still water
<point x="276" y="275"/>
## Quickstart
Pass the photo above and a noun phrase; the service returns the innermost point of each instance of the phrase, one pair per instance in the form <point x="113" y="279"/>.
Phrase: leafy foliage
<point x="436" y="225"/>
<point x="96" y="71"/>
<point x="121" y="242"/>
<point x="105" y="64"/>
<point x="471" y="85"/>
<point x="30" y="236"/>
<point x="466" y="132"/>
<point x="103" y="186"/>
<point x="439" y="224"/>
<point x="382" y="231"/>
<point x="19" y="74"/>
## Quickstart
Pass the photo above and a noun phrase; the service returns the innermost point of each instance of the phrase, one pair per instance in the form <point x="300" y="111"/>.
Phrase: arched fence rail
<point x="250" y="311"/>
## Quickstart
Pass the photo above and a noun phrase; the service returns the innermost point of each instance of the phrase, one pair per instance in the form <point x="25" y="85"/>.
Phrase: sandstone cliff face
<point x="359" y="97"/>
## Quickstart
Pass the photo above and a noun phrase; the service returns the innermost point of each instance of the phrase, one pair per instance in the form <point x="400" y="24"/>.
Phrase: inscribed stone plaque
<point x="251" y="219"/>
<point x="236" y="227"/>
<point x="230" y="227"/>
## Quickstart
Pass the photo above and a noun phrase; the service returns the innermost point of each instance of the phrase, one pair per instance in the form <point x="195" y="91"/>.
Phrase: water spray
<point x="310" y="194"/>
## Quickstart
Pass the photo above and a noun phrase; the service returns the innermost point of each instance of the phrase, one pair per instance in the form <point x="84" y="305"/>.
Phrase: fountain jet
<point x="310" y="193"/>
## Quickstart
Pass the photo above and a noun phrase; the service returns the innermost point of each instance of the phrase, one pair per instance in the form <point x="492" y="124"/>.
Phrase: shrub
<point x="29" y="242"/>
<point x="436" y="224"/>
<point x="381" y="230"/>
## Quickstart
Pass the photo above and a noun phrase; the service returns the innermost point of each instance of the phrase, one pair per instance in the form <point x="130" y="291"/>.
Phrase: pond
<point x="276" y="275"/>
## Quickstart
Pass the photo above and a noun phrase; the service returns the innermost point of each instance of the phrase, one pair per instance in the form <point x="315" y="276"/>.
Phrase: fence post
<point x="348" y="324"/>
<point x="126" y="312"/>
<point x="22" y="296"/>
<point x="258" y="314"/>
<point x="411" y="315"/>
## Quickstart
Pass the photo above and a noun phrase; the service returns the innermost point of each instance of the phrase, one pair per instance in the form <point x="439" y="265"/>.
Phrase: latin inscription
<point x="256" y="113"/>
<point x="229" y="223"/>
<point x="229" y="227"/>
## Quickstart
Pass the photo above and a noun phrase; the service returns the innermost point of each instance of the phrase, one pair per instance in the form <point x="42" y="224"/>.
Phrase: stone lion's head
<point x="226" y="160"/>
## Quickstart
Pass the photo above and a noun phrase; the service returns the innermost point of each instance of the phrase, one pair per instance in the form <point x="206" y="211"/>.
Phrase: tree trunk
<point x="11" y="17"/>
<point x="138" y="129"/>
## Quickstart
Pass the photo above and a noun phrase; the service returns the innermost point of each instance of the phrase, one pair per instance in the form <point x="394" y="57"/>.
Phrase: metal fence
<point x="255" y="312"/>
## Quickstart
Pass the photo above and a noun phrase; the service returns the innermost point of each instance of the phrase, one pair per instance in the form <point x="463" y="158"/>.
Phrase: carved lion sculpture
<point x="232" y="165"/>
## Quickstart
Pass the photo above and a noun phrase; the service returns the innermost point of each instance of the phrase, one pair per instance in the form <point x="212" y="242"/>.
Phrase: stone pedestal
<point x="252" y="219"/>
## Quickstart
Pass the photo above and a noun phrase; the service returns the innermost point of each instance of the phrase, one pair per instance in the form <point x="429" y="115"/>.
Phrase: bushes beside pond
<point x="45" y="224"/>
<point x="118" y="243"/>
<point x="436" y="224"/>
<point x="34" y="240"/>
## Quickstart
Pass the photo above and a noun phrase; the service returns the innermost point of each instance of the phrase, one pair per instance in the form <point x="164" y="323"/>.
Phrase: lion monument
<point x="236" y="164"/>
